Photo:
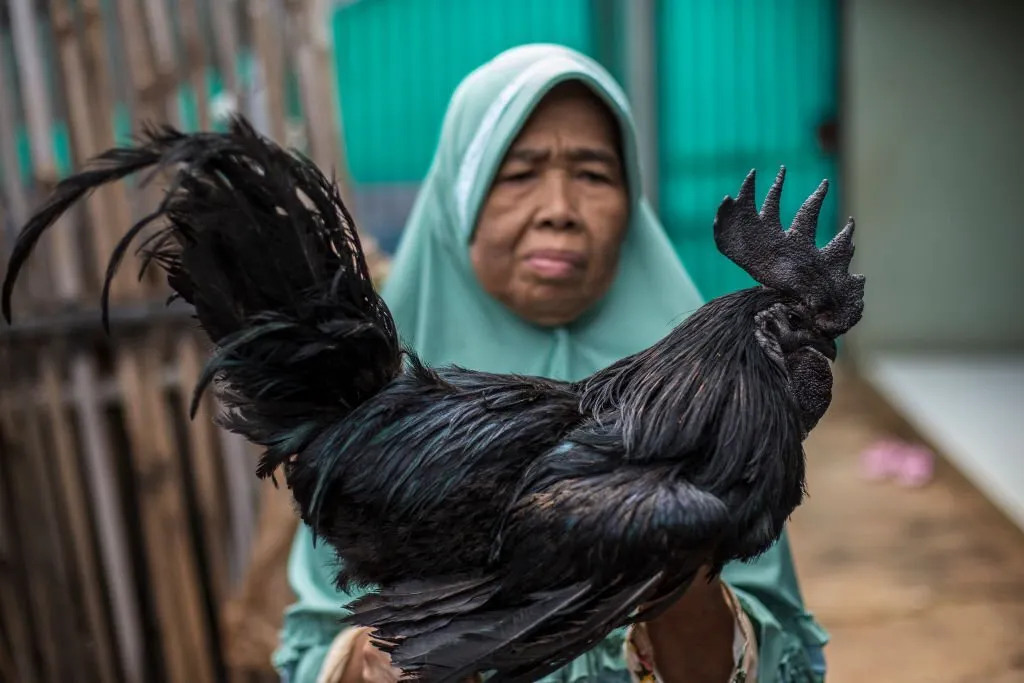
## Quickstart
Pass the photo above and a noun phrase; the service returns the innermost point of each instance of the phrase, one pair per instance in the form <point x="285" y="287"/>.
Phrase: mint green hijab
<point x="442" y="311"/>
<point x="444" y="314"/>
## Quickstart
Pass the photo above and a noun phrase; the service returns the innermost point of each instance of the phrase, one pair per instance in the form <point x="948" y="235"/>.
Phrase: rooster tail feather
<point x="262" y="245"/>
<point x="574" y="634"/>
<point x="469" y="642"/>
<point x="447" y="631"/>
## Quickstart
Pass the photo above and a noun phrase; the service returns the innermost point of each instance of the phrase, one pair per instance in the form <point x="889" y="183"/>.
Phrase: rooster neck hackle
<point x="711" y="399"/>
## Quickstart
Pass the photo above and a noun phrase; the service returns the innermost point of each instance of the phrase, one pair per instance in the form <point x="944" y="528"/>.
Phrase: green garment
<point x="443" y="313"/>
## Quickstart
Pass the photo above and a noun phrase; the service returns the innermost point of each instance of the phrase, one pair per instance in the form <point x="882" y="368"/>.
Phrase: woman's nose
<point x="558" y="207"/>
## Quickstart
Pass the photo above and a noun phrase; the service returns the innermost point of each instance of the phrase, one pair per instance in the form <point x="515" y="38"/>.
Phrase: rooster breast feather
<point x="419" y="475"/>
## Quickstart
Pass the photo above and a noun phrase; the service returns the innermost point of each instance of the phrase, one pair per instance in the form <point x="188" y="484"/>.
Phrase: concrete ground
<point x="914" y="585"/>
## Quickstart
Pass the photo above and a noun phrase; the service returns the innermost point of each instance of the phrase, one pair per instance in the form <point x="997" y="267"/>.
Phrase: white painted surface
<point x="971" y="407"/>
<point x="932" y="172"/>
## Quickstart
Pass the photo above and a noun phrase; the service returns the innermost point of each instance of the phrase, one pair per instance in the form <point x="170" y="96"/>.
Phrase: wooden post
<point x="270" y="56"/>
<point x="227" y="43"/>
<point x="171" y="559"/>
<point x="310" y="38"/>
<point x="100" y="471"/>
<point x="96" y="134"/>
<point x="149" y="461"/>
<point x="39" y="119"/>
<point x="51" y="608"/>
<point x="14" y="588"/>
<point x="138" y="56"/>
<point x="193" y="66"/>
<point x="101" y="213"/>
<point x="69" y="287"/>
<point x="15" y="193"/>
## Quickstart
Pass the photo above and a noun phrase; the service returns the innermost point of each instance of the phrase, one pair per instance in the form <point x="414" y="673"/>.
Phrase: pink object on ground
<point x="881" y="460"/>
<point x="910" y="465"/>
<point x="916" y="467"/>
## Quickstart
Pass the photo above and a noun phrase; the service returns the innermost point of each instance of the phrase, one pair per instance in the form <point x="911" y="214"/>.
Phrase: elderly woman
<point x="531" y="250"/>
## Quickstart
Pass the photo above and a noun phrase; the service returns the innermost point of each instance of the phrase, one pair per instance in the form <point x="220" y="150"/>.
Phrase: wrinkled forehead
<point x="493" y="103"/>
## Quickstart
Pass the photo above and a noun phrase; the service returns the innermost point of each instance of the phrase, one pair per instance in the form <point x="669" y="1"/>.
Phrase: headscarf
<point x="442" y="311"/>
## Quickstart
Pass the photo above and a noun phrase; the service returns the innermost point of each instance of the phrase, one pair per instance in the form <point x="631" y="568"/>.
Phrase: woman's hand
<point x="353" y="658"/>
<point x="692" y="640"/>
<point x="692" y="643"/>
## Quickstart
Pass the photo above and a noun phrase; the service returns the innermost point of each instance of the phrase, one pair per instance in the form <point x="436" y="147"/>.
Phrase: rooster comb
<point x="789" y="260"/>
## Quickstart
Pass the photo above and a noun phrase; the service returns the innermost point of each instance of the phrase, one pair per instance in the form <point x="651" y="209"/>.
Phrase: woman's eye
<point x="517" y="177"/>
<point x="594" y="177"/>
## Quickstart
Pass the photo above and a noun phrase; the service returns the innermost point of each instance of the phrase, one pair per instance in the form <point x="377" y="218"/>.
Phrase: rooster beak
<point x="827" y="348"/>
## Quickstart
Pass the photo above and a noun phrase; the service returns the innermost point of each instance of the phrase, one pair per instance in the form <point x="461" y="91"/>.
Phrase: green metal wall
<point x="398" y="62"/>
<point x="742" y="84"/>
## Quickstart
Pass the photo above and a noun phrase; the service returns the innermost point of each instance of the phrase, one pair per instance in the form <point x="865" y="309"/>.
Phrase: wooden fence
<point x="126" y="530"/>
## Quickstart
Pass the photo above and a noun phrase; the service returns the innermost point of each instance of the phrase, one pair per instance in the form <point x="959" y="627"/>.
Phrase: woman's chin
<point x="551" y="311"/>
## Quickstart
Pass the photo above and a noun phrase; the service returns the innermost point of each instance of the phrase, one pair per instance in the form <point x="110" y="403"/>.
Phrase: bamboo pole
<point x="15" y="193"/>
<point x="141" y="68"/>
<point x="210" y="484"/>
<point x="271" y="59"/>
<point x="52" y="573"/>
<point x="227" y="43"/>
<point x="158" y="22"/>
<point x="113" y="535"/>
<point x="13" y="589"/>
<point x="193" y="62"/>
<point x="69" y="286"/>
<point x="204" y="461"/>
<point x="149" y="463"/>
<point x="186" y="632"/>
<point x="113" y="200"/>
<point x="70" y="476"/>
<point x="311" y="39"/>
<point x="81" y="123"/>
<point x="29" y="515"/>
<point x="39" y="118"/>
<point x="100" y="471"/>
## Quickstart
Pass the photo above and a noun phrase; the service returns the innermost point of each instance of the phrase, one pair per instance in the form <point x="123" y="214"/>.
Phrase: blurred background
<point x="136" y="545"/>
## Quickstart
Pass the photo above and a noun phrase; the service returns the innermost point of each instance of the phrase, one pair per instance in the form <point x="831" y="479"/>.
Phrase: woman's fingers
<point x="377" y="665"/>
<point x="343" y="661"/>
<point x="352" y="658"/>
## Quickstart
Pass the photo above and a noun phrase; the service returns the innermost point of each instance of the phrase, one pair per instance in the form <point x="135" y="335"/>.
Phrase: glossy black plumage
<point x="509" y="522"/>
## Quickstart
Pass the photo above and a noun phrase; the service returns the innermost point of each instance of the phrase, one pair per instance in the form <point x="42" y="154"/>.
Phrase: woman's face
<point x="548" y="235"/>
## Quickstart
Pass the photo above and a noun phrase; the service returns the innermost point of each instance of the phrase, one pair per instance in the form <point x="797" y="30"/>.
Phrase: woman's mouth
<point x="553" y="264"/>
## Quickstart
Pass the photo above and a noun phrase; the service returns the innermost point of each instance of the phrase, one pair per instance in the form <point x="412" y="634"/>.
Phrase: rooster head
<point x="813" y="298"/>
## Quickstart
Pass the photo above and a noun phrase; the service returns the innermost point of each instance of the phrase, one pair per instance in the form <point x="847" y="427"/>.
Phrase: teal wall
<point x="398" y="62"/>
<point x="743" y="84"/>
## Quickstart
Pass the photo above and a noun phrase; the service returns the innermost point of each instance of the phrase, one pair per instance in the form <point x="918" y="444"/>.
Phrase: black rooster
<point x="510" y="522"/>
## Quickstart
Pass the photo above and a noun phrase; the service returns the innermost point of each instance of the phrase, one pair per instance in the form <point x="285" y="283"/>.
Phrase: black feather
<point x="506" y="523"/>
<point x="263" y="247"/>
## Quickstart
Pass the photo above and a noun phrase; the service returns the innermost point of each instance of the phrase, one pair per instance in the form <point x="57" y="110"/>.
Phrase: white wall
<point x="933" y="143"/>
